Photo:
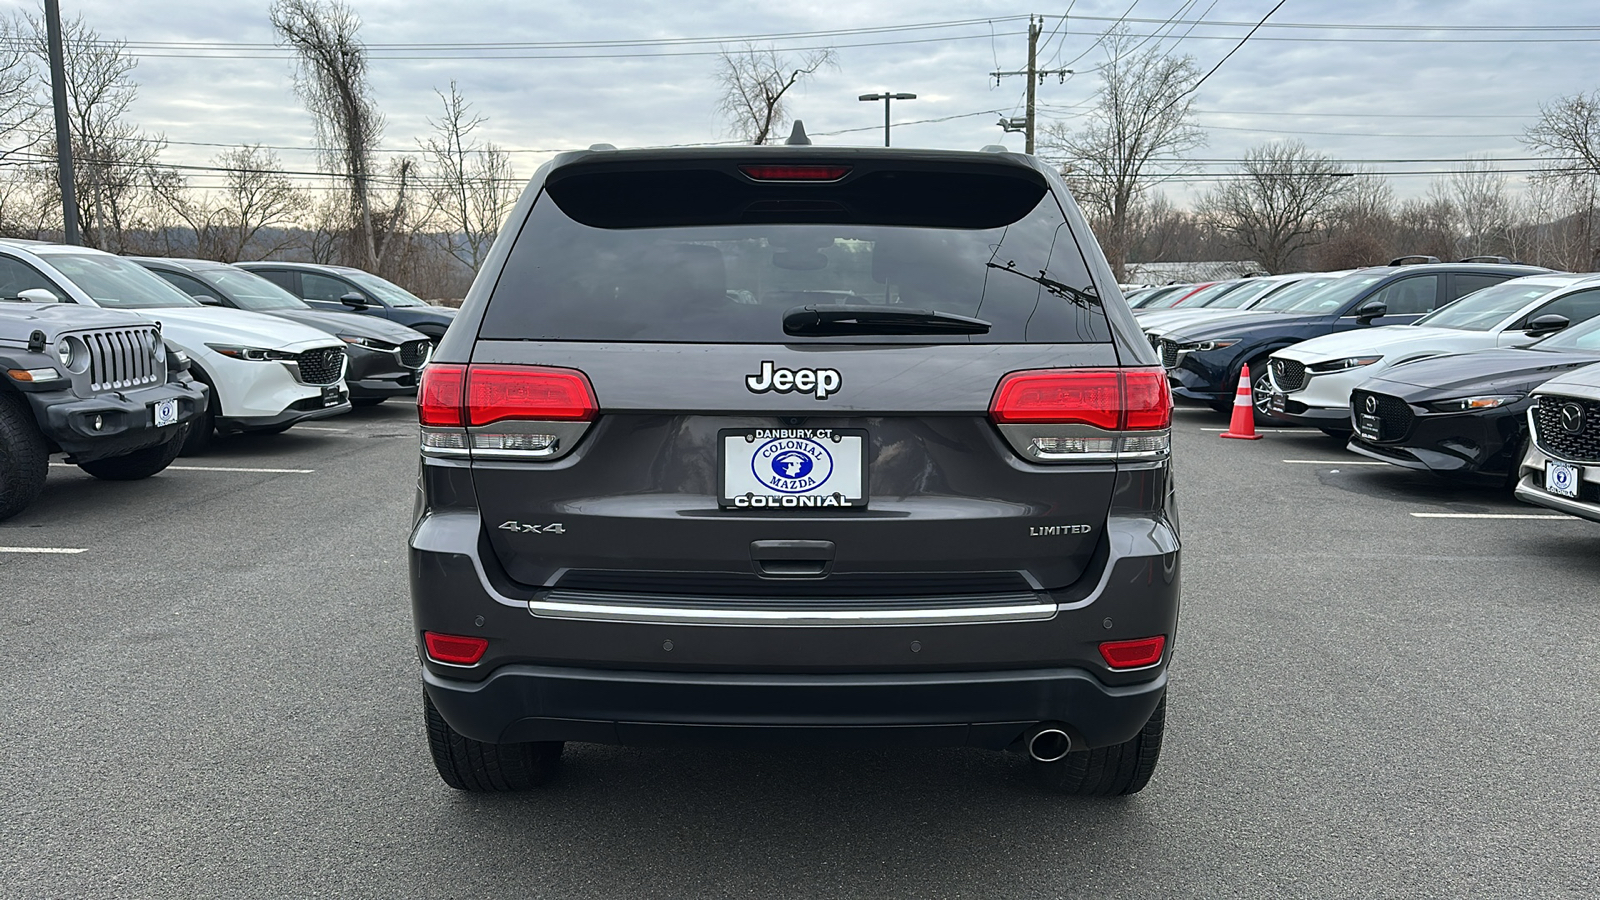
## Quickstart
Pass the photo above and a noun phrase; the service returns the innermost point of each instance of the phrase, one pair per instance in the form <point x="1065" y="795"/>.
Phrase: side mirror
<point x="38" y="295"/>
<point x="1550" y="323"/>
<point x="1370" y="311"/>
<point x="354" y="300"/>
<point x="208" y="300"/>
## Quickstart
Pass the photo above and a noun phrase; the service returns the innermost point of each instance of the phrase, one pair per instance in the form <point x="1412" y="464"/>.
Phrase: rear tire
<point x="469" y="765"/>
<point x="24" y="456"/>
<point x="1114" y="771"/>
<point x="138" y="464"/>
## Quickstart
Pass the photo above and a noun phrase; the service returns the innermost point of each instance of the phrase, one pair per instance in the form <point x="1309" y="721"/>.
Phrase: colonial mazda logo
<point x="817" y="382"/>
<point x="1572" y="417"/>
<point x="1371" y="404"/>
<point x="792" y="465"/>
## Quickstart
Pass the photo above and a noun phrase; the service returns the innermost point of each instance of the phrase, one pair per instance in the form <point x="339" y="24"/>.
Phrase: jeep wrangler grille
<point x="123" y="358"/>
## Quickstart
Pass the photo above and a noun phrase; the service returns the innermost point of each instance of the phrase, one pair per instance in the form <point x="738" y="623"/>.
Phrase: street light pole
<point x="58" y="92"/>
<point x="886" y="97"/>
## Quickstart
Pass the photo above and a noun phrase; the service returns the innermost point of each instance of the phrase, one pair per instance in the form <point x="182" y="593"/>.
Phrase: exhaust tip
<point x="1049" y="745"/>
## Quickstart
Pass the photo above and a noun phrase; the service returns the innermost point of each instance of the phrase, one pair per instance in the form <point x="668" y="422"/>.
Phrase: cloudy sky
<point x="1464" y="78"/>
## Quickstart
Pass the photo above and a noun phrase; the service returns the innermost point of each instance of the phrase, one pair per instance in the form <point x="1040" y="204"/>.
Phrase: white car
<point x="1311" y="381"/>
<point x="1561" y="469"/>
<point x="265" y="373"/>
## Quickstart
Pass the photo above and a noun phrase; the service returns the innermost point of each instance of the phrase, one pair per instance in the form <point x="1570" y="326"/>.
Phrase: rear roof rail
<point x="1489" y="259"/>
<point x="1412" y="260"/>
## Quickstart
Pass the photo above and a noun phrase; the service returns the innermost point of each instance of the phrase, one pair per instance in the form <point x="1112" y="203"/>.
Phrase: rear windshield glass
<point x="1012" y="264"/>
<point x="1482" y="310"/>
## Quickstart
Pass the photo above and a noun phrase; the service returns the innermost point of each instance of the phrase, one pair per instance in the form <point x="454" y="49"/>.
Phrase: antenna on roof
<point x="797" y="136"/>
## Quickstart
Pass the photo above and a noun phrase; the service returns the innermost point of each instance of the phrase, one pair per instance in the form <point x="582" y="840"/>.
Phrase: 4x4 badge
<point x="817" y="382"/>
<point x="520" y="528"/>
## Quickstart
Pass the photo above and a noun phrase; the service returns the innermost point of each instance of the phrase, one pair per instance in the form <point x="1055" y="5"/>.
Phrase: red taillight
<point x="496" y="393"/>
<point x="441" y="395"/>
<point x="1110" y="399"/>
<point x="1133" y="654"/>
<point x="454" y="649"/>
<point x="795" y="173"/>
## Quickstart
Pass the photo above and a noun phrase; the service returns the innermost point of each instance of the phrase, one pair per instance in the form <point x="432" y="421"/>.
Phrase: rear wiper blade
<point x="1084" y="298"/>
<point x="816" y="321"/>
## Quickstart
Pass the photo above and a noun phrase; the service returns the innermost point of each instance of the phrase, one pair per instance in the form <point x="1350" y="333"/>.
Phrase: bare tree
<point x="755" y="82"/>
<point x="1130" y="140"/>
<point x="331" y="79"/>
<point x="1481" y="210"/>
<point x="1280" y="204"/>
<point x="115" y="164"/>
<point x="1361" y="226"/>
<point x="472" y="187"/>
<point x="228" y="222"/>
<point x="18" y="110"/>
<point x="1568" y="132"/>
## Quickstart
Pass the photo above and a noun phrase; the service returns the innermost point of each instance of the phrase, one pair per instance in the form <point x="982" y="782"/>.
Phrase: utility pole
<point x="58" y="93"/>
<point x="1035" y="77"/>
<point x="886" y="97"/>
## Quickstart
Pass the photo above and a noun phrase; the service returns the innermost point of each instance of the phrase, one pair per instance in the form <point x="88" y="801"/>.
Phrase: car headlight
<point x="73" y="354"/>
<point x="255" y="354"/>
<point x="370" y="343"/>
<point x="1203" y="346"/>
<point x="1463" y="404"/>
<point x="1342" y="365"/>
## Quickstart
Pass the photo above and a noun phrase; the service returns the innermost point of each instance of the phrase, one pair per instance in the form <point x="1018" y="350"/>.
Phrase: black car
<point x="1203" y="359"/>
<point x="99" y="385"/>
<point x="1464" y="415"/>
<point x="343" y="289"/>
<point x="796" y="445"/>
<point x="384" y="356"/>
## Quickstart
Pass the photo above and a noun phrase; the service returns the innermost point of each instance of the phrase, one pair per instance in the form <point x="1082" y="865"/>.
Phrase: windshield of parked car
<point x="116" y="283"/>
<point x="1582" y="336"/>
<point x="1482" y="310"/>
<point x="1330" y="298"/>
<point x="1246" y="294"/>
<point x="1294" y="293"/>
<point x="1208" y="296"/>
<point x="250" y="291"/>
<point x="390" y="293"/>
<point x="1155" y="295"/>
<point x="1174" y="298"/>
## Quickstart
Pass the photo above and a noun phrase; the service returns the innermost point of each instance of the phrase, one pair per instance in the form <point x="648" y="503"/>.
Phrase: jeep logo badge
<point x="817" y="382"/>
<point x="1572" y="417"/>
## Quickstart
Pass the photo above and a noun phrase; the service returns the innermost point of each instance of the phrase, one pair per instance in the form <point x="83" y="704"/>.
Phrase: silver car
<point x="1561" y="469"/>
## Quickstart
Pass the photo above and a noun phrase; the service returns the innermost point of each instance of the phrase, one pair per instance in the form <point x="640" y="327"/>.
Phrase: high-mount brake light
<point x="1135" y="654"/>
<point x="795" y="173"/>
<point x="534" y="393"/>
<point x="454" y="649"/>
<point x="1108" y="399"/>
<point x="441" y="395"/>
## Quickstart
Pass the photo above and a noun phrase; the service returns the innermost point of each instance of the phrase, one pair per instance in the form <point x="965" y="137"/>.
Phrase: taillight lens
<point x="441" y="395"/>
<point x="1135" y="654"/>
<point x="1109" y="399"/>
<point x="454" y="649"/>
<point x="536" y="393"/>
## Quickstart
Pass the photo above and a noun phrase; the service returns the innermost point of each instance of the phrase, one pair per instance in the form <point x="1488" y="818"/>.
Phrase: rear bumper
<point x="977" y="709"/>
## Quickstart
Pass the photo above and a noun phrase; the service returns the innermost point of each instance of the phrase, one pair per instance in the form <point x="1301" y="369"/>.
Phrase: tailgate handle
<point x="792" y="559"/>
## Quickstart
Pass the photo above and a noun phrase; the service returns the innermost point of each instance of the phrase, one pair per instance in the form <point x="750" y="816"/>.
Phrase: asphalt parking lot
<point x="1380" y="690"/>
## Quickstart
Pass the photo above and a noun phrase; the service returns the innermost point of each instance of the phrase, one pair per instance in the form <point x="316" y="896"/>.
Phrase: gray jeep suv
<point x="795" y="445"/>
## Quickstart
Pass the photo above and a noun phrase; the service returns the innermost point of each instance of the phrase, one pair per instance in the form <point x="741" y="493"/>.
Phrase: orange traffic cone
<point x="1243" y="425"/>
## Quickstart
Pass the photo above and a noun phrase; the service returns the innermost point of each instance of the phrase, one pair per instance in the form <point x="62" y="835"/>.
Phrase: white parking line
<point x="321" y="428"/>
<point x="1336" y="462"/>
<point x="1547" y="518"/>
<point x="217" y="469"/>
<point x="42" y="549"/>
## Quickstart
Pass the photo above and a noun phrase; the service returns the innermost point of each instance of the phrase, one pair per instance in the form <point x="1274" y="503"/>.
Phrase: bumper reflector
<point x="453" y="649"/>
<point x="1135" y="654"/>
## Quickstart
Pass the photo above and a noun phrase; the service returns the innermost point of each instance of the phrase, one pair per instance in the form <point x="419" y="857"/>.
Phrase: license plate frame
<point x="164" y="412"/>
<point x="1277" y="402"/>
<point x="330" y="396"/>
<point x="843" y="453"/>
<point x="1562" y="479"/>
<point x="1369" y="426"/>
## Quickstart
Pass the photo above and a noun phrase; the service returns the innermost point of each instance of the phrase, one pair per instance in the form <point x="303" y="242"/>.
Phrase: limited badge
<point x="792" y="465"/>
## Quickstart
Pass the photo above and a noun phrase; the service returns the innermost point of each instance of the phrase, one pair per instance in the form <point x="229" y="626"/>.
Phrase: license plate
<point x="330" y="395"/>
<point x="166" y="412"/>
<point x="1276" y="402"/>
<point x="793" y="468"/>
<point x="1561" y="479"/>
<point x="1370" y="427"/>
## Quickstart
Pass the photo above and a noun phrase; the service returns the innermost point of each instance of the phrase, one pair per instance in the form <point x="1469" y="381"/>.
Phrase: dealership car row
<point x="125" y="363"/>
<point x="1481" y="371"/>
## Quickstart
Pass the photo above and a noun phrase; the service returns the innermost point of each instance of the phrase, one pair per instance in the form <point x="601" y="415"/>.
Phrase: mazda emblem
<point x="1372" y="404"/>
<point x="1572" y="417"/>
<point x="1277" y="366"/>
